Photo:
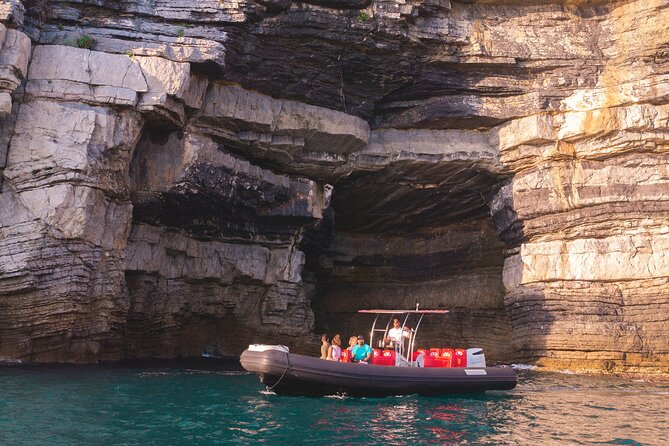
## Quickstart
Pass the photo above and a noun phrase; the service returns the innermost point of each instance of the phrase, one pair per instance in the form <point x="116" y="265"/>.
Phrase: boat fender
<point x="420" y="360"/>
<point x="265" y="347"/>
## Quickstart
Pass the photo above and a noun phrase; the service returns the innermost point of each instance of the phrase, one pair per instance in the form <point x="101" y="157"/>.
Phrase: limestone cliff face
<point x="179" y="177"/>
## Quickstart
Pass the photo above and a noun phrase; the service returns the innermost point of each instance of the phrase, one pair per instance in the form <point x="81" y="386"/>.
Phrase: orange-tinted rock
<point x="201" y="175"/>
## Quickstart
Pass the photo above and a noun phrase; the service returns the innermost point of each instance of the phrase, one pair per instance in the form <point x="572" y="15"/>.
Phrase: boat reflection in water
<point x="390" y="423"/>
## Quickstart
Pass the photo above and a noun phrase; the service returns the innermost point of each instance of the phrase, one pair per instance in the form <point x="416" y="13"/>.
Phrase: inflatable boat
<point x="394" y="370"/>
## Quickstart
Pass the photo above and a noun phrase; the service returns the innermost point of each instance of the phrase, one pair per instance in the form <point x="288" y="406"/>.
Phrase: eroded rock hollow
<point x="188" y="177"/>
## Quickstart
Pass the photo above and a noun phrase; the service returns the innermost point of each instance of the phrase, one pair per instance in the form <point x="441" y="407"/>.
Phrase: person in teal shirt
<point x="361" y="352"/>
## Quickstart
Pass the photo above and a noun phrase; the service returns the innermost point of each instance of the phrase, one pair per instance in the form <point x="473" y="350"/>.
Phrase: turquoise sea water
<point x="209" y="405"/>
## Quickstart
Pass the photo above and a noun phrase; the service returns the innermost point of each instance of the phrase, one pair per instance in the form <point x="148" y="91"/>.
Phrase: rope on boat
<point x="283" y="374"/>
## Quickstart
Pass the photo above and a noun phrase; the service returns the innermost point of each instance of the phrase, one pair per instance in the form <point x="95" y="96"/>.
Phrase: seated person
<point x="386" y="343"/>
<point x="351" y="343"/>
<point x="361" y="352"/>
<point x="325" y="345"/>
<point x="334" y="352"/>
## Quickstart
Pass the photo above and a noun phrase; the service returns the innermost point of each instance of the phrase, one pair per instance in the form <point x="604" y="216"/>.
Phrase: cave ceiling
<point x="411" y="197"/>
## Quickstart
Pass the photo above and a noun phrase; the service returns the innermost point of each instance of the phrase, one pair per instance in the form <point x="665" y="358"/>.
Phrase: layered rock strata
<point x="180" y="177"/>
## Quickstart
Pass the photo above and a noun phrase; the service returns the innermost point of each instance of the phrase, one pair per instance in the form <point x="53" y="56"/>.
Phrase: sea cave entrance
<point x="409" y="234"/>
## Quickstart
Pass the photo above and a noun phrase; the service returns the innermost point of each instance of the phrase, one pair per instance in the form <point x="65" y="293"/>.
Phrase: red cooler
<point x="460" y="357"/>
<point x="388" y="358"/>
<point x="432" y="358"/>
<point x="446" y="356"/>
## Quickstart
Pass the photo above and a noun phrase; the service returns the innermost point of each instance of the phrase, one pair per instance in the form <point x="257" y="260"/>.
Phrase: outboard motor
<point x="475" y="358"/>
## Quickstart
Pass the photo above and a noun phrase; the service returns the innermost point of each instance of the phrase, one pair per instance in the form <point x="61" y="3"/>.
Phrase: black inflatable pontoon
<point x="291" y="374"/>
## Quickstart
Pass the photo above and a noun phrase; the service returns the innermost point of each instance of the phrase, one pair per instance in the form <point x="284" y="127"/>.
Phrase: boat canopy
<point x="404" y="311"/>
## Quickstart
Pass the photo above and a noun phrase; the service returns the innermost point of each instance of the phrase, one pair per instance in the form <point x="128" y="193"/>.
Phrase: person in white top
<point x="398" y="332"/>
<point x="334" y="352"/>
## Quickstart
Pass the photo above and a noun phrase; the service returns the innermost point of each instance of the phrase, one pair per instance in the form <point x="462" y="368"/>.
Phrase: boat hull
<point x="291" y="374"/>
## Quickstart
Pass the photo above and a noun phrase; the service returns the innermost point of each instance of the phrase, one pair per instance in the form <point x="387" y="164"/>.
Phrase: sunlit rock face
<point x="203" y="175"/>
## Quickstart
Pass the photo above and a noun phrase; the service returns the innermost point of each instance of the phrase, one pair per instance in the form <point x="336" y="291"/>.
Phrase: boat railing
<point x="400" y="359"/>
<point x="413" y="338"/>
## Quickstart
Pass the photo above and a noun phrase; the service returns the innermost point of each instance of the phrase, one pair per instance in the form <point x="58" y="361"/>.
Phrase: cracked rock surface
<point x="186" y="177"/>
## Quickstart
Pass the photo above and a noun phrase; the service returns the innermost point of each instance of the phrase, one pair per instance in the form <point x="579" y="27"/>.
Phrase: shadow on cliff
<point x="532" y="322"/>
<point x="456" y="267"/>
<point x="524" y="304"/>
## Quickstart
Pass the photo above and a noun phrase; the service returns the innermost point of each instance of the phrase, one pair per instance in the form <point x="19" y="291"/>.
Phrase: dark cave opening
<point x="412" y="234"/>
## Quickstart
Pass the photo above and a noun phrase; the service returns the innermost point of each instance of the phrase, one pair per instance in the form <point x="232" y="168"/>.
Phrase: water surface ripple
<point x="211" y="406"/>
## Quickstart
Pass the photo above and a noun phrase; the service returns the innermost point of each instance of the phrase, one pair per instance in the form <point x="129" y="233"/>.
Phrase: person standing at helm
<point x="397" y="333"/>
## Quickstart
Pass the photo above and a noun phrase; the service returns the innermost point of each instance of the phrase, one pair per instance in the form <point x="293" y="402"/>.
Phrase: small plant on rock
<point x="363" y="17"/>
<point x="181" y="32"/>
<point x="129" y="53"/>
<point x="86" y="41"/>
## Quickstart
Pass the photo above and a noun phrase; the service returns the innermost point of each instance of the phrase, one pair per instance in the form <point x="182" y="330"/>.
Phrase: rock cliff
<point x="179" y="177"/>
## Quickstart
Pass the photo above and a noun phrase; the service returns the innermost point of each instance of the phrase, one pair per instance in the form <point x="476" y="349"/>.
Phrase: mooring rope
<point x="284" y="372"/>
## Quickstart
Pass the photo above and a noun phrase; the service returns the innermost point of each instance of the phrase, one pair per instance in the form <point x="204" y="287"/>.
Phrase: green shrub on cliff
<point x="86" y="41"/>
<point x="363" y="17"/>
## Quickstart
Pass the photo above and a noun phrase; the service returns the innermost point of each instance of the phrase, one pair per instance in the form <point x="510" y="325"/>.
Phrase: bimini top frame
<point x="399" y="346"/>
<point x="404" y="311"/>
